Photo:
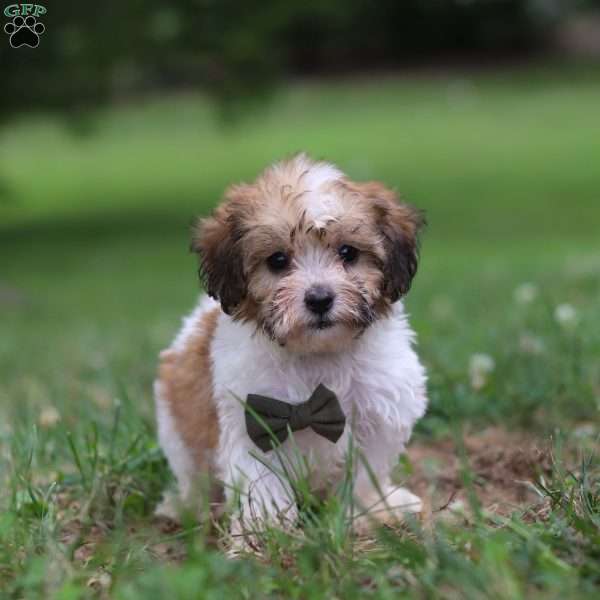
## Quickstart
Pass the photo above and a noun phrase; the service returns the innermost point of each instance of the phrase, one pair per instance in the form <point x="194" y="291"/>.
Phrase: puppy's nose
<point x="319" y="299"/>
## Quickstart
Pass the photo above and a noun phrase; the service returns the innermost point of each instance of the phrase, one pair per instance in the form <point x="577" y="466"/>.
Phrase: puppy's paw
<point x="250" y="530"/>
<point x="178" y="509"/>
<point x="170" y="507"/>
<point x="401" y="501"/>
<point x="390" y="510"/>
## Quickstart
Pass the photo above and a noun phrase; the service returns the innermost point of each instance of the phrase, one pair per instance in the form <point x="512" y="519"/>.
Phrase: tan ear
<point x="218" y="242"/>
<point x="399" y="225"/>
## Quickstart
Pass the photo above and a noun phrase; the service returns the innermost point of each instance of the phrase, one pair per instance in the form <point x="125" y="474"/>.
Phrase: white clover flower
<point x="480" y="367"/>
<point x="49" y="417"/>
<point x="565" y="315"/>
<point x="530" y="344"/>
<point x="526" y="293"/>
<point x="585" y="430"/>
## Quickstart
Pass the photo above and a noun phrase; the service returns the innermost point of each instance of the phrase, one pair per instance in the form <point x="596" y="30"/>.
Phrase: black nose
<point x="319" y="299"/>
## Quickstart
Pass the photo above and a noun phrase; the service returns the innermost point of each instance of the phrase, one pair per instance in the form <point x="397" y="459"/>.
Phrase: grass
<point x="95" y="275"/>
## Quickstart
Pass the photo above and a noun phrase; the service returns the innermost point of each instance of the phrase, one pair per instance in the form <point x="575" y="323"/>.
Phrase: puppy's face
<point x="309" y="256"/>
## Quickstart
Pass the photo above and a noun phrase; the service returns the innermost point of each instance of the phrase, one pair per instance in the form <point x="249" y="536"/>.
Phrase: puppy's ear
<point x="218" y="242"/>
<point x="399" y="225"/>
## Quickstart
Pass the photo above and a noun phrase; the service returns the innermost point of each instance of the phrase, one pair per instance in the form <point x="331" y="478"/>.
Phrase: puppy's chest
<point x="362" y="392"/>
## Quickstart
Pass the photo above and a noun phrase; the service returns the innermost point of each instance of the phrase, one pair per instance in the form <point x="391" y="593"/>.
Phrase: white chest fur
<point x="378" y="381"/>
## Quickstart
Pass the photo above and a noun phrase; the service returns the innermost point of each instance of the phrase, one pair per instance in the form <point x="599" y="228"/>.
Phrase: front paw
<point x="250" y="532"/>
<point x="401" y="501"/>
<point x="388" y="508"/>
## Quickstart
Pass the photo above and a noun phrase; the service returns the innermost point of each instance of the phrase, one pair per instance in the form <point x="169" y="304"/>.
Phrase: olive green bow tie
<point x="321" y="412"/>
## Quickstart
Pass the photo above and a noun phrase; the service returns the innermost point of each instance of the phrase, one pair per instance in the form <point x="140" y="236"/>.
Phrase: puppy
<point x="302" y="351"/>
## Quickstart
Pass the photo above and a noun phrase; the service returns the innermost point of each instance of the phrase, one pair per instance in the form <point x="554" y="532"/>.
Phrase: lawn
<point x="95" y="276"/>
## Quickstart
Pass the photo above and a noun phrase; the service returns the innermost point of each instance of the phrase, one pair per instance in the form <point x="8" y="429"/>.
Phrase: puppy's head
<point x="308" y="255"/>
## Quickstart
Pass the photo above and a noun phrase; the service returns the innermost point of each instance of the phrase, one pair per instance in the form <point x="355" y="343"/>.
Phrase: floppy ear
<point x="217" y="241"/>
<point x="399" y="225"/>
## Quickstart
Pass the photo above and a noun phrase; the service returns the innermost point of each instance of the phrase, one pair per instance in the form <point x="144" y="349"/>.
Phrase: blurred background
<point x="130" y="118"/>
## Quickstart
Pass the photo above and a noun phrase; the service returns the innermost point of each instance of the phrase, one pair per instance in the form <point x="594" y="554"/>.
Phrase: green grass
<point x="95" y="276"/>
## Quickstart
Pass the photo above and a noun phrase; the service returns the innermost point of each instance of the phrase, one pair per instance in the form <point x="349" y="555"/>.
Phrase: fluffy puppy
<point x="305" y="270"/>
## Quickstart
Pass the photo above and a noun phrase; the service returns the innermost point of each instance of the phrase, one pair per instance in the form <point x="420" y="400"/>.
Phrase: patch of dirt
<point x="83" y="539"/>
<point x="499" y="466"/>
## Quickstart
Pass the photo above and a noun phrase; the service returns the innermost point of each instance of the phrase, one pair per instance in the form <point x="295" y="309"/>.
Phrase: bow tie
<point x="321" y="412"/>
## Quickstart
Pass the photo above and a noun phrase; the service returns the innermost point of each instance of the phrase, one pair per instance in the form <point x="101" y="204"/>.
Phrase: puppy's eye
<point x="348" y="254"/>
<point x="278" y="261"/>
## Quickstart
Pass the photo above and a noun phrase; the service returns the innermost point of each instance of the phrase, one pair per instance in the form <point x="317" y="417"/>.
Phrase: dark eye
<point x="348" y="253"/>
<point x="278" y="261"/>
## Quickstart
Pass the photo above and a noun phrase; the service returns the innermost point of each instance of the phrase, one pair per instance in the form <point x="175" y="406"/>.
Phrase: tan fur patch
<point x="186" y="377"/>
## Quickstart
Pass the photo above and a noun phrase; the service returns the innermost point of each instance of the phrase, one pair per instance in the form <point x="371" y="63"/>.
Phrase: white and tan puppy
<point x="306" y="269"/>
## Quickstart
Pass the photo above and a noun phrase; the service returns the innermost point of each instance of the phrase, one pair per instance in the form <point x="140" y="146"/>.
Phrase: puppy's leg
<point x="262" y="497"/>
<point x="378" y="499"/>
<point x="186" y="416"/>
<point x="194" y="490"/>
<point x="178" y="456"/>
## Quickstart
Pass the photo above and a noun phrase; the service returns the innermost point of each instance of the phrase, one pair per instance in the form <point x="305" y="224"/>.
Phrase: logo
<point x="25" y="28"/>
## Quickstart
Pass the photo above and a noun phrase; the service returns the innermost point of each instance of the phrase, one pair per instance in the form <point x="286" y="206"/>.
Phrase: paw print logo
<point x="24" y="31"/>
